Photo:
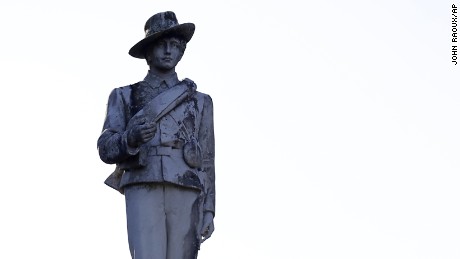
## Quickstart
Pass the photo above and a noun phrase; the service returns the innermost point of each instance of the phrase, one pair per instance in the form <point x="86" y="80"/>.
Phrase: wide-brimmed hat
<point x="161" y="24"/>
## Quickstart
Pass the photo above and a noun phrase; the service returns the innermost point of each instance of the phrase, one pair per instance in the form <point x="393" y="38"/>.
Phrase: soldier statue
<point x="159" y="133"/>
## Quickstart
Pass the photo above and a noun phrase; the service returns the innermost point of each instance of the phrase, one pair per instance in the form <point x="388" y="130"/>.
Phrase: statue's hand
<point x="141" y="132"/>
<point x="208" y="226"/>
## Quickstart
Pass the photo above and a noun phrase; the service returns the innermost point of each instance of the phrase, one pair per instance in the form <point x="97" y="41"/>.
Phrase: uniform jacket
<point x="162" y="158"/>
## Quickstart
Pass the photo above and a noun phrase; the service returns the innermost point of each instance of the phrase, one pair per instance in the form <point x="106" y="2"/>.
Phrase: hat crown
<point x="160" y="22"/>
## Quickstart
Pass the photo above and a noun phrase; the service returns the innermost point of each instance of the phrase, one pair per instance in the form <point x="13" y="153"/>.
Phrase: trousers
<point x="162" y="221"/>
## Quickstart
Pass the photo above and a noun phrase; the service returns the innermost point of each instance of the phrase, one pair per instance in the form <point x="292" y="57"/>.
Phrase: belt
<point x="164" y="151"/>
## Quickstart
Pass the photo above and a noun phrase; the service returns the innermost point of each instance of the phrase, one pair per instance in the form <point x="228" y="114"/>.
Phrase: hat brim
<point x="185" y="31"/>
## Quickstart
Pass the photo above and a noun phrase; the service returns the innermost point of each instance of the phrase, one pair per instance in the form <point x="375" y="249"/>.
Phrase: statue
<point x="159" y="133"/>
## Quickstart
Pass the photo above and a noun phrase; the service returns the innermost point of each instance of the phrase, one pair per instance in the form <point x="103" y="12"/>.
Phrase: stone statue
<point x="159" y="133"/>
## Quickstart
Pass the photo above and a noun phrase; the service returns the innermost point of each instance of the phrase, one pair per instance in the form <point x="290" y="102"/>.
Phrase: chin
<point x="167" y="68"/>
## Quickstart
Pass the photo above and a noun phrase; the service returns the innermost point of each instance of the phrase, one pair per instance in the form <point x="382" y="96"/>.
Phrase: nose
<point x="168" y="48"/>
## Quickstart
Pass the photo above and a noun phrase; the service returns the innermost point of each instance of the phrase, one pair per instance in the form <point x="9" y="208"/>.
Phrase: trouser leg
<point x="181" y="205"/>
<point x="145" y="213"/>
<point x="162" y="221"/>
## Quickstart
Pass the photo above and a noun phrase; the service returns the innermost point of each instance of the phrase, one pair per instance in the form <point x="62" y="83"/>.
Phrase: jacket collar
<point x="156" y="80"/>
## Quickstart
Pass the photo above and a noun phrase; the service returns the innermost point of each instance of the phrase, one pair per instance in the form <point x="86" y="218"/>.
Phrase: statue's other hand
<point x="208" y="226"/>
<point x="141" y="132"/>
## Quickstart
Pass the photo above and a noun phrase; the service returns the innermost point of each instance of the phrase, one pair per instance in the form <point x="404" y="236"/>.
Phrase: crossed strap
<point x="165" y="102"/>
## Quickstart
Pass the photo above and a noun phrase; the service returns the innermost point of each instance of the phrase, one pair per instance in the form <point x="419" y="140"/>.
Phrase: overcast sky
<point x="337" y="126"/>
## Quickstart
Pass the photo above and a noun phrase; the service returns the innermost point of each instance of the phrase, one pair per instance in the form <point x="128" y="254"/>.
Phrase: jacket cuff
<point x="129" y="150"/>
<point x="209" y="208"/>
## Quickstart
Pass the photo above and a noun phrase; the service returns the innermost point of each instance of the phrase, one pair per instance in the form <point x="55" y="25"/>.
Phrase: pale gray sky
<point x="337" y="126"/>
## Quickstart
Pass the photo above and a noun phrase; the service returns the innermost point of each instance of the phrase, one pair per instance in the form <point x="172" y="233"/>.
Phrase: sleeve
<point x="112" y="144"/>
<point x="206" y="139"/>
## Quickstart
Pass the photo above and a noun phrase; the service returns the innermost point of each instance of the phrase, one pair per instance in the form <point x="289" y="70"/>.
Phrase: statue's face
<point x="165" y="53"/>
